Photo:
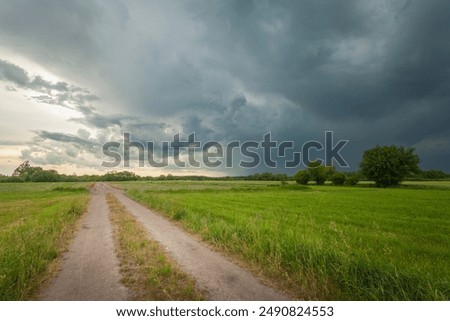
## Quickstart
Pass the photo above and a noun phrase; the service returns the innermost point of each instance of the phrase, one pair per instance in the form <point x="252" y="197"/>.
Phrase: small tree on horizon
<point x="22" y="168"/>
<point x="338" y="179"/>
<point x="24" y="172"/>
<point x="302" y="177"/>
<point x="317" y="172"/>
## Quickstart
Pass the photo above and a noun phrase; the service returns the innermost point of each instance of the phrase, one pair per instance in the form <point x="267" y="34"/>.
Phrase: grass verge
<point x="145" y="267"/>
<point x="36" y="224"/>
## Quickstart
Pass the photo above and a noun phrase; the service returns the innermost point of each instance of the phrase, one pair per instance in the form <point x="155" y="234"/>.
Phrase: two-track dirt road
<point x="90" y="270"/>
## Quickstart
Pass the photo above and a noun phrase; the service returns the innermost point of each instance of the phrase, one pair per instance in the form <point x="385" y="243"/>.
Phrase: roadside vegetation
<point x="36" y="223"/>
<point x="321" y="242"/>
<point x="144" y="265"/>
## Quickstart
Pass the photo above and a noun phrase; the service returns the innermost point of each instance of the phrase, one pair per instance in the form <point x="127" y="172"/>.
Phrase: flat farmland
<point x="36" y="222"/>
<point x="320" y="242"/>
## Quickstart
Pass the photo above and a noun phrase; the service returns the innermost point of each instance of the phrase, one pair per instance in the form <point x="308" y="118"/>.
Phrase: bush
<point x="44" y="176"/>
<point x="302" y="177"/>
<point x="352" y="180"/>
<point x="338" y="178"/>
<point x="317" y="172"/>
<point x="329" y="172"/>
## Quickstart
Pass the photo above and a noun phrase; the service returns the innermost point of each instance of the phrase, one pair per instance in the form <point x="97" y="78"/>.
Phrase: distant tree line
<point x="27" y="173"/>
<point x="385" y="165"/>
<point x="432" y="174"/>
<point x="319" y="174"/>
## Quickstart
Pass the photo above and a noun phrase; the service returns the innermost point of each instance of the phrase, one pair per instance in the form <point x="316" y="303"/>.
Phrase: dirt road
<point x="90" y="270"/>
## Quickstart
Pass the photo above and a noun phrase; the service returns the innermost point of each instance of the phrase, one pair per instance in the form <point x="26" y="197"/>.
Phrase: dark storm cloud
<point x="374" y="72"/>
<point x="383" y="70"/>
<point x="52" y="29"/>
<point x="310" y="57"/>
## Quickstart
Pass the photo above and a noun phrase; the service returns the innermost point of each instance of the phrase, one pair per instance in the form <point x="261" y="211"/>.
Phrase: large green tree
<point x="389" y="165"/>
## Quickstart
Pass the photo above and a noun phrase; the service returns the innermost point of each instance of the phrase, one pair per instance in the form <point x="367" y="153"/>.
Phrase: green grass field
<point x="321" y="242"/>
<point x="36" y="219"/>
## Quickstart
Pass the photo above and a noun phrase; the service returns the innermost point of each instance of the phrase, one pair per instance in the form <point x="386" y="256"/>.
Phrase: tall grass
<point x="325" y="242"/>
<point x="34" y="225"/>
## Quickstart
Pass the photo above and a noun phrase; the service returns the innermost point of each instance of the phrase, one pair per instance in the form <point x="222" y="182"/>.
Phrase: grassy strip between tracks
<point x="145" y="267"/>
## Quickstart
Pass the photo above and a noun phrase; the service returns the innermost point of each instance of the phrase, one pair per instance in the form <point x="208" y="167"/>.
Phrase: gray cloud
<point x="13" y="73"/>
<point x="50" y="29"/>
<point x="66" y="138"/>
<point x="59" y="93"/>
<point x="59" y="148"/>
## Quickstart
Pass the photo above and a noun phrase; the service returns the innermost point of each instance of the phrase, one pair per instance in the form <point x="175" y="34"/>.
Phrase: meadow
<point x="36" y="222"/>
<point x="321" y="242"/>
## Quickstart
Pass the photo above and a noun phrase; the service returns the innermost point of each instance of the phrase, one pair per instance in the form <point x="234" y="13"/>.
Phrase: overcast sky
<point x="76" y="74"/>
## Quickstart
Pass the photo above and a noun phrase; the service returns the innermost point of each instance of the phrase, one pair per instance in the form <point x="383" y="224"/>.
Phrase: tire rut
<point x="90" y="270"/>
